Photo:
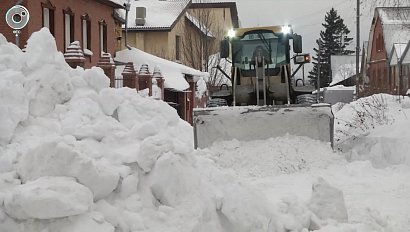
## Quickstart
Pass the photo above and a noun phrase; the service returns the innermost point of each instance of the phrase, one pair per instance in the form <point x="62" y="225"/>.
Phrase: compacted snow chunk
<point x="327" y="202"/>
<point x="47" y="198"/>
<point x="60" y="159"/>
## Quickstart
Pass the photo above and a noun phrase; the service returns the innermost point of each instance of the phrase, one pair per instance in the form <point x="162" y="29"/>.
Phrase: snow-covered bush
<point x="371" y="112"/>
<point x="361" y="116"/>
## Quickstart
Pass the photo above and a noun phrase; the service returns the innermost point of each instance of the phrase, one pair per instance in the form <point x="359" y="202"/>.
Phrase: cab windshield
<point x="246" y="48"/>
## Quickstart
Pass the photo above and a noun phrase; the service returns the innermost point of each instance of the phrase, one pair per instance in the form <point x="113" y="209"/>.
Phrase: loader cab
<point x="261" y="72"/>
<point x="274" y="47"/>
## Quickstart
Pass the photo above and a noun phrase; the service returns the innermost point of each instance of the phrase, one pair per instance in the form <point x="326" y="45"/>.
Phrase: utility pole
<point x="357" y="46"/>
<point x="318" y="71"/>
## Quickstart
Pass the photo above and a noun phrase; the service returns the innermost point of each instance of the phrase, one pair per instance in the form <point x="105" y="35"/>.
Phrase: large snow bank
<point x="78" y="156"/>
<point x="367" y="192"/>
<point x="383" y="119"/>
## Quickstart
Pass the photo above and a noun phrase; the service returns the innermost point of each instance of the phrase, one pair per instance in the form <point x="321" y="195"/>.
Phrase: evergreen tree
<point x="333" y="41"/>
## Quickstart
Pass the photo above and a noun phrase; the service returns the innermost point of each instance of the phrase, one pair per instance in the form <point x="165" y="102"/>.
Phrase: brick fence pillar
<point x="145" y="79"/>
<point x="160" y="81"/>
<point x="129" y="76"/>
<point x="74" y="56"/>
<point x="107" y="64"/>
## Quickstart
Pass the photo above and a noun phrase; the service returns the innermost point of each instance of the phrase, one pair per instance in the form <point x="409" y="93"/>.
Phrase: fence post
<point x="107" y="64"/>
<point x="145" y="79"/>
<point x="74" y="56"/>
<point x="129" y="76"/>
<point x="160" y="80"/>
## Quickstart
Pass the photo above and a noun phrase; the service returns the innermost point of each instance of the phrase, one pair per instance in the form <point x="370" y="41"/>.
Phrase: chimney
<point x="141" y="14"/>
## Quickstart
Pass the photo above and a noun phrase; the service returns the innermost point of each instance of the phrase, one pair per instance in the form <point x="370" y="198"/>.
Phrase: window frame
<point x="68" y="12"/>
<point x="51" y="16"/>
<point x="177" y="47"/>
<point x="102" y="34"/>
<point x="86" y="32"/>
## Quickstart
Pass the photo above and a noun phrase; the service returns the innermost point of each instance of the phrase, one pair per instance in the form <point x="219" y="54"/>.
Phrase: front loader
<point x="262" y="101"/>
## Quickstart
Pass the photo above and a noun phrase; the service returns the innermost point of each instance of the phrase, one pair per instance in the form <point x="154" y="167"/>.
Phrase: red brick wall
<point x="378" y="71"/>
<point x="96" y="11"/>
<point x="5" y="5"/>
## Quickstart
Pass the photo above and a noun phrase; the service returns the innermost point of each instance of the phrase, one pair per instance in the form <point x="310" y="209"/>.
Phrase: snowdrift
<point x="374" y="128"/>
<point x="76" y="155"/>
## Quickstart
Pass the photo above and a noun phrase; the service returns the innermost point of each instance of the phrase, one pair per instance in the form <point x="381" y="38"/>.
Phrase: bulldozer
<point x="262" y="101"/>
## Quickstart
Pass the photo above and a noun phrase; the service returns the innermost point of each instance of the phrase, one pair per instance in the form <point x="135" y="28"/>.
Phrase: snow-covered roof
<point x="394" y="33"/>
<point x="172" y="72"/>
<point x="394" y="15"/>
<point x="201" y="27"/>
<point x="343" y="67"/>
<point x="119" y="2"/>
<point x="113" y="3"/>
<point x="405" y="58"/>
<point x="396" y="25"/>
<point x="396" y="53"/>
<point x="160" y="15"/>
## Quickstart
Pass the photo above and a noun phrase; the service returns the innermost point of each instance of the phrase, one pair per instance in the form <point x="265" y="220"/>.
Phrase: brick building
<point x="390" y="33"/>
<point x="91" y="22"/>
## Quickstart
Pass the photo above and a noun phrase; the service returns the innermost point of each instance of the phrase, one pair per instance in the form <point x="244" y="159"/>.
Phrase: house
<point x="399" y="62"/>
<point x="389" y="34"/>
<point x="91" y="22"/>
<point x="179" y="30"/>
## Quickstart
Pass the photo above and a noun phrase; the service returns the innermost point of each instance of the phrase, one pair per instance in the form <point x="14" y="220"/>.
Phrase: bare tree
<point x="200" y="43"/>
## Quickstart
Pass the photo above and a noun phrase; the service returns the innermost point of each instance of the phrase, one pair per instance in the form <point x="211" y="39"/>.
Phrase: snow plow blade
<point x="246" y="123"/>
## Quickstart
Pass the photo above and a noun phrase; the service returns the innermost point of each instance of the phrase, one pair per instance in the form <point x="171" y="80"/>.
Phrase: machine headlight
<point x="286" y="29"/>
<point x="231" y="33"/>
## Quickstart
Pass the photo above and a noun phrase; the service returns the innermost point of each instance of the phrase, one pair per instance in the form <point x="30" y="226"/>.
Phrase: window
<point x="178" y="48"/>
<point x="86" y="31"/>
<point x="68" y="27"/>
<point x="103" y="36"/>
<point x="48" y="16"/>
<point x="379" y="43"/>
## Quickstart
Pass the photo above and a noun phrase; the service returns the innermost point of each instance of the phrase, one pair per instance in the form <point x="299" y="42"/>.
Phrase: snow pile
<point x="48" y="197"/>
<point x="365" y="189"/>
<point x="76" y="155"/>
<point x="328" y="202"/>
<point x="274" y="156"/>
<point x="384" y="121"/>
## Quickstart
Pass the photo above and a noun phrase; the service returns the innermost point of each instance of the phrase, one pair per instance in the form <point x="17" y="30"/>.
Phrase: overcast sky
<point x="305" y="16"/>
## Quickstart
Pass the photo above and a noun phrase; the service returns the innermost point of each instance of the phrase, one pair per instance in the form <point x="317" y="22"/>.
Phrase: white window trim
<point x="85" y="35"/>
<point x="46" y="17"/>
<point x="67" y="29"/>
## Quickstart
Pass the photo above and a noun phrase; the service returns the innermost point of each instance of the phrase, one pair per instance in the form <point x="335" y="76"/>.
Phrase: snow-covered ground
<point x="78" y="156"/>
<point x="370" y="165"/>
